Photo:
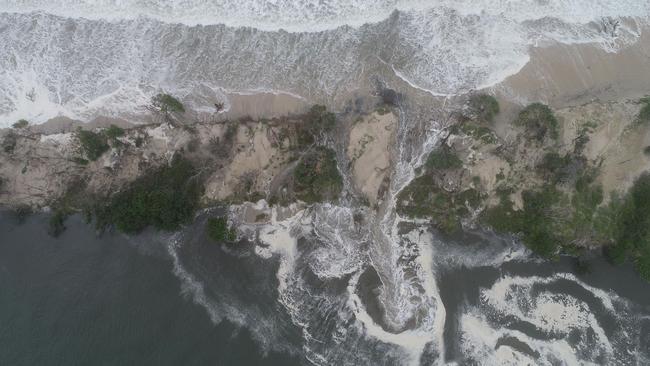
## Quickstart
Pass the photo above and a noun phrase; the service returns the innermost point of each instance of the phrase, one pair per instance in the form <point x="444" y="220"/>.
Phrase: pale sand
<point x="262" y="105"/>
<point x="564" y="75"/>
<point x="371" y="140"/>
<point x="255" y="156"/>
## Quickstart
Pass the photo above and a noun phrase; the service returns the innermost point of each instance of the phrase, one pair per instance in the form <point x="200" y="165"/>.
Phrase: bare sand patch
<point x="563" y="75"/>
<point x="369" y="151"/>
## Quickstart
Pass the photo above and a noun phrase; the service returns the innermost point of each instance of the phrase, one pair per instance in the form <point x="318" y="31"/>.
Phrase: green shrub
<point x="56" y="223"/>
<point x="9" y="143"/>
<point x="480" y="133"/>
<point x="21" y="124"/>
<point x="218" y="230"/>
<point x="503" y="217"/>
<point x="539" y="121"/>
<point x="422" y="198"/>
<point x="21" y="212"/>
<point x="484" y="106"/>
<point x="628" y="225"/>
<point x="316" y="177"/>
<point x="443" y="158"/>
<point x="92" y="144"/>
<point x="317" y="122"/>
<point x="166" y="103"/>
<point x="164" y="198"/>
<point x="80" y="161"/>
<point x="113" y="132"/>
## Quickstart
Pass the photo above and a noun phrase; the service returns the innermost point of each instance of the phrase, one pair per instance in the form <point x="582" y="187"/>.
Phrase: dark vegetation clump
<point x="443" y="158"/>
<point x="56" y="223"/>
<point x="218" y="230"/>
<point x="165" y="103"/>
<point x="424" y="198"/>
<point x="222" y="147"/>
<point x="316" y="177"/>
<point x="165" y="198"/>
<point x="550" y="220"/>
<point x="647" y="150"/>
<point x="21" y="124"/>
<point x="644" y="114"/>
<point x="80" y="161"/>
<point x="20" y="213"/>
<point x="9" y="143"/>
<point x="113" y="132"/>
<point x="484" y="107"/>
<point x="625" y="223"/>
<point x="92" y="144"/>
<point x="539" y="121"/>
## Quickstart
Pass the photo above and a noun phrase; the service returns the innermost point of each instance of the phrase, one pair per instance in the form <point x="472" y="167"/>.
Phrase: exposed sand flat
<point x="259" y="105"/>
<point x="562" y="75"/>
<point x="255" y="162"/>
<point x="369" y="151"/>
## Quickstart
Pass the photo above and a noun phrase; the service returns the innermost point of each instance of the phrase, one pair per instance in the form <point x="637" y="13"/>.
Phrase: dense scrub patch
<point x="165" y="103"/>
<point x="21" y="124"/>
<point x="539" y="121"/>
<point x="165" y="198"/>
<point x="484" y="107"/>
<point x="113" y="132"/>
<point x="318" y="121"/>
<point x="9" y="142"/>
<point x="443" y="158"/>
<point x="424" y="198"/>
<point x="553" y="219"/>
<point x="316" y="177"/>
<point x="92" y="144"/>
<point x="218" y="230"/>
<point x="625" y="224"/>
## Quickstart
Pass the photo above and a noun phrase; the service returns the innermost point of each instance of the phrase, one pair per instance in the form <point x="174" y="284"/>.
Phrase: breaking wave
<point x="82" y="58"/>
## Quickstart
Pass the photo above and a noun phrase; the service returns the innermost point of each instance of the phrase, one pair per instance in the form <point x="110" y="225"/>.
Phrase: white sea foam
<point x="574" y="331"/>
<point x="110" y="56"/>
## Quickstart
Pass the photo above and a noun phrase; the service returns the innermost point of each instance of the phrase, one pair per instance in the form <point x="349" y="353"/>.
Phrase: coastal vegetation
<point x="485" y="107"/>
<point x="9" y="142"/>
<point x="318" y="122"/>
<point x="539" y="121"/>
<point x="113" y="132"/>
<point x="21" y="124"/>
<point x="91" y="144"/>
<point x="425" y="198"/>
<point x="443" y="158"/>
<point x="218" y="230"/>
<point x="164" y="198"/>
<point x="625" y="224"/>
<point x="166" y="104"/>
<point x="316" y="177"/>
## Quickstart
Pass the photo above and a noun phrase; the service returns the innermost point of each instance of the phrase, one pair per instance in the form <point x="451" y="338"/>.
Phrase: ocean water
<point x="169" y="299"/>
<point x="314" y="286"/>
<point x="111" y="300"/>
<point x="82" y="58"/>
